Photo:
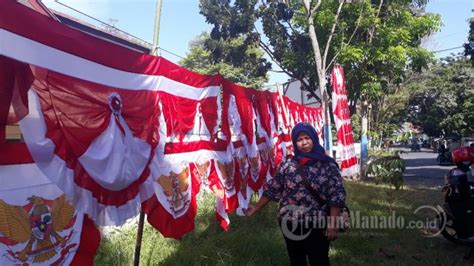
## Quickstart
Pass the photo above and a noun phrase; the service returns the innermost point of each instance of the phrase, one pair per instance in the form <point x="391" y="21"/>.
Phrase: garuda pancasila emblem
<point x="38" y="227"/>
<point x="254" y="167"/>
<point x="243" y="168"/>
<point x="227" y="170"/>
<point x="202" y="171"/>
<point x="175" y="188"/>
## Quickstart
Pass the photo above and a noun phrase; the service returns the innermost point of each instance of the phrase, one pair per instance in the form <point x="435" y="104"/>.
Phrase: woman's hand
<point x="332" y="229"/>
<point x="254" y="208"/>
<point x="250" y="210"/>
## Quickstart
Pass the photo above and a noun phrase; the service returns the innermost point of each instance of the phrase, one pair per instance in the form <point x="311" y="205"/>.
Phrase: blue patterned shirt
<point x="288" y="188"/>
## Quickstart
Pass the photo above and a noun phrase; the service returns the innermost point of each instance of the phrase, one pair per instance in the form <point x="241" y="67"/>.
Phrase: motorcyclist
<point x="442" y="153"/>
<point x="458" y="191"/>
<point x="415" y="146"/>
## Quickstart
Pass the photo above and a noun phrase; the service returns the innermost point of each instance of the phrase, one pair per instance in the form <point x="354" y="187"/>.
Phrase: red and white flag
<point x="342" y="119"/>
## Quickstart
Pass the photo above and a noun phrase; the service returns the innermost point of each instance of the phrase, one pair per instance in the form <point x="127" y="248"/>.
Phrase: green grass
<point x="258" y="241"/>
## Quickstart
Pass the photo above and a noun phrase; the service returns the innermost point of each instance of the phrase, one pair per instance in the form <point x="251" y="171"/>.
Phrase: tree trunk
<point x="321" y="75"/>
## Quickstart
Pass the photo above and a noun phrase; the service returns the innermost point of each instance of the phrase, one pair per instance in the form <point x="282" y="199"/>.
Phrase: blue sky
<point x="181" y="22"/>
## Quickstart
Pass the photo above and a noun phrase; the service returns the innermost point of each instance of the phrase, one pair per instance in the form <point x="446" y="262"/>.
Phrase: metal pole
<point x="138" y="244"/>
<point x="156" y="31"/>
<point x="154" y="51"/>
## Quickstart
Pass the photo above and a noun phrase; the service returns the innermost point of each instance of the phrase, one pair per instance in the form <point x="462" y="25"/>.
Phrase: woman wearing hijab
<point x="308" y="188"/>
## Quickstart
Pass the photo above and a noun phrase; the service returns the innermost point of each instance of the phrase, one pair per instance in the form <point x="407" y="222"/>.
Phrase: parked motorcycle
<point x="457" y="225"/>
<point x="415" y="147"/>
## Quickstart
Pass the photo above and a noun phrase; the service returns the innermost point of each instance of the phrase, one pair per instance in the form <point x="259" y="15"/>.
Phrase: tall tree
<point x="442" y="99"/>
<point x="233" y="59"/>
<point x="373" y="39"/>
<point x="376" y="41"/>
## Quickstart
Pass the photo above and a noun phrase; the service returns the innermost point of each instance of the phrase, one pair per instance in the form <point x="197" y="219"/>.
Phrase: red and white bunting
<point x="342" y="119"/>
<point x="115" y="129"/>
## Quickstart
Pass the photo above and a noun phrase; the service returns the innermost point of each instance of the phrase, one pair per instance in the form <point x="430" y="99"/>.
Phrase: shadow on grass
<point x="249" y="241"/>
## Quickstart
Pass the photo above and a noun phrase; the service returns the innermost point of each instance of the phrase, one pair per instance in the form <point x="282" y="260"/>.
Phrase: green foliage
<point x="442" y="99"/>
<point x="387" y="168"/>
<point x="356" y="128"/>
<point x="374" y="47"/>
<point x="234" y="59"/>
<point x="390" y="43"/>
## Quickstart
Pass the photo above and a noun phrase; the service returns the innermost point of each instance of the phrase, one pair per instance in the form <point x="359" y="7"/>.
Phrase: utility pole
<point x="156" y="31"/>
<point x="364" y="153"/>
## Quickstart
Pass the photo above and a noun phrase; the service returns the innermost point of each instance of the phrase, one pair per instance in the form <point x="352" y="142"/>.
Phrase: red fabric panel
<point x="179" y="147"/>
<point x="180" y="112"/>
<point x="274" y="107"/>
<point x="209" y="113"/>
<point x="237" y="175"/>
<point x="243" y="99"/>
<point x="238" y="144"/>
<point x="263" y="106"/>
<point x="14" y="153"/>
<point x="231" y="203"/>
<point x="90" y="241"/>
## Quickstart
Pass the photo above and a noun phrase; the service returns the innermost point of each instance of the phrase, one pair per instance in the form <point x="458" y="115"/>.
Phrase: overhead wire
<point x="116" y="28"/>
<point x="102" y="22"/>
<point x="448" y="49"/>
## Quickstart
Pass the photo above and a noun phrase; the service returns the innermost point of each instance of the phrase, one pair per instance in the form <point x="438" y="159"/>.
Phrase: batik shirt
<point x="295" y="200"/>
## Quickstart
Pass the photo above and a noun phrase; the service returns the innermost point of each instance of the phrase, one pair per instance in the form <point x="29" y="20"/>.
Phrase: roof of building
<point x="110" y="34"/>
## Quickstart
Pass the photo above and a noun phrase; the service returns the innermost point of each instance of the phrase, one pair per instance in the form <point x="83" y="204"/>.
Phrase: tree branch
<point x="270" y="54"/>
<point x="372" y="30"/>
<point x="349" y="41"/>
<point x="315" y="7"/>
<point x="291" y="27"/>
<point x="331" y="34"/>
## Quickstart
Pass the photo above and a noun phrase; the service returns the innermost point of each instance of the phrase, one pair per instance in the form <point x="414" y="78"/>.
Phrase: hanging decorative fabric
<point x="117" y="130"/>
<point x="173" y="208"/>
<point x="37" y="225"/>
<point x="180" y="114"/>
<point x="345" y="139"/>
<point x="243" y="96"/>
<point x="181" y="165"/>
<point x="242" y="175"/>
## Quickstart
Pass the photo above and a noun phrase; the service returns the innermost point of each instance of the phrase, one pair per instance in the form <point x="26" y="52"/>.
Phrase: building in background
<point x="292" y="89"/>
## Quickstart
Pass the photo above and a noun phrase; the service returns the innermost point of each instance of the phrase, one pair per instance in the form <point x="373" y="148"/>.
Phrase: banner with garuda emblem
<point x="38" y="226"/>
<point x="173" y="208"/>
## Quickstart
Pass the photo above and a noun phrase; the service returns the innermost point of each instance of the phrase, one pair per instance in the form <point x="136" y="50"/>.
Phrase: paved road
<point x="422" y="169"/>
